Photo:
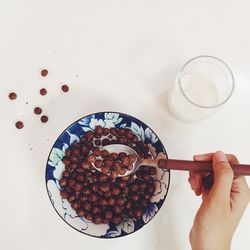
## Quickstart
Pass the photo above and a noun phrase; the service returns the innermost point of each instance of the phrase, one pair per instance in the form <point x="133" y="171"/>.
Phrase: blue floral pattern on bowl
<point x="55" y="167"/>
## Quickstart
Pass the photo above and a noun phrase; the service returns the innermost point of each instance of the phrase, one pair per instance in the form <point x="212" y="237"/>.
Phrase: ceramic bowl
<point x="55" y="167"/>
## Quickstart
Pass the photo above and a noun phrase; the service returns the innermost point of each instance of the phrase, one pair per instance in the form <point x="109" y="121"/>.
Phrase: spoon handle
<point x="200" y="166"/>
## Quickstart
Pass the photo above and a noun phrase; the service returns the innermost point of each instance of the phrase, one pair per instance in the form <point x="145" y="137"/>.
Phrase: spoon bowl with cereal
<point x="124" y="160"/>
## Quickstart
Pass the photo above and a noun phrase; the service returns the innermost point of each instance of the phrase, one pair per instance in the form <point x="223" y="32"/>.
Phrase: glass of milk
<point x="202" y="86"/>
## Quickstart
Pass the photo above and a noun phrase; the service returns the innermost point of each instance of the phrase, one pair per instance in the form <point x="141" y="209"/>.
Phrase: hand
<point x="224" y="200"/>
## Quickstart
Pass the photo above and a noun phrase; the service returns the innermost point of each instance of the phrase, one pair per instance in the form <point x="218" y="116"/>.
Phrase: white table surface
<point x="121" y="56"/>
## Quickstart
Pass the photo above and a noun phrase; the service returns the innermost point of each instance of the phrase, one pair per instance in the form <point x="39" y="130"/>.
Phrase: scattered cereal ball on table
<point x="37" y="110"/>
<point x="43" y="91"/>
<point x="12" y="96"/>
<point x="44" y="119"/>
<point x="65" y="88"/>
<point x="19" y="125"/>
<point x="44" y="72"/>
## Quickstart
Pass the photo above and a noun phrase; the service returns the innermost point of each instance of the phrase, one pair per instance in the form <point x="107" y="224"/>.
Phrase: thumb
<point x="223" y="176"/>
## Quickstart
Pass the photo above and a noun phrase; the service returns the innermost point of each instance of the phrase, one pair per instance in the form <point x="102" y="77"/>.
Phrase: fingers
<point x="239" y="183"/>
<point x="221" y="185"/>
<point x="224" y="182"/>
<point x="240" y="194"/>
<point x="203" y="157"/>
<point x="195" y="180"/>
<point x="199" y="181"/>
<point x="232" y="159"/>
<point x="223" y="176"/>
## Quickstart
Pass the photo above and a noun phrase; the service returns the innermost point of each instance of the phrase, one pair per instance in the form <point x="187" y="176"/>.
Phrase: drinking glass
<point x="203" y="85"/>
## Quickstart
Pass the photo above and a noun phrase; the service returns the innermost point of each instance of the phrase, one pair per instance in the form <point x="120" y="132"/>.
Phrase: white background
<point x="121" y="56"/>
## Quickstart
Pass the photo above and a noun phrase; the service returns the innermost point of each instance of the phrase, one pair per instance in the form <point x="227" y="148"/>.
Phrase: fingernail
<point x="220" y="156"/>
<point x="197" y="192"/>
<point x="194" y="184"/>
<point x="197" y="157"/>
